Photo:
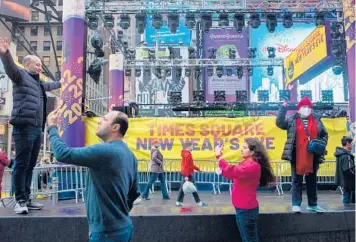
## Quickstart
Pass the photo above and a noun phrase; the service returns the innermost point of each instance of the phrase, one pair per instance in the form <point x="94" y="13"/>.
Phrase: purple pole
<point x="74" y="39"/>
<point x="116" y="80"/>
<point x="349" y="16"/>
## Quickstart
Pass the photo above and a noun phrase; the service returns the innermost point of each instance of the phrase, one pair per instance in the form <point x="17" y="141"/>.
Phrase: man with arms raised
<point x="28" y="117"/>
<point x="112" y="185"/>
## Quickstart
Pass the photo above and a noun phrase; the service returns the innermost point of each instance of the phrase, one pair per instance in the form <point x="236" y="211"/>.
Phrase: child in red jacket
<point x="4" y="161"/>
<point x="187" y="171"/>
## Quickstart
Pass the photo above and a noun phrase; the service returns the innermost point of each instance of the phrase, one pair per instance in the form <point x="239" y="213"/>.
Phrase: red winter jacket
<point x="4" y="161"/>
<point x="188" y="166"/>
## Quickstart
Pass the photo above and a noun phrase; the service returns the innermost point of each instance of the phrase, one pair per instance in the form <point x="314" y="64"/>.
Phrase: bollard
<point x="54" y="195"/>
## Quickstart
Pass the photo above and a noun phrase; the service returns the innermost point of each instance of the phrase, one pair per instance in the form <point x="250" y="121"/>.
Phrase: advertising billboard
<point x="285" y="41"/>
<point x="222" y="40"/>
<point x="15" y="9"/>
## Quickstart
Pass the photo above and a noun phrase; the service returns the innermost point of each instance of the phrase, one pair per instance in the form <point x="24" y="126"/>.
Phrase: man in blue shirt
<point x="112" y="183"/>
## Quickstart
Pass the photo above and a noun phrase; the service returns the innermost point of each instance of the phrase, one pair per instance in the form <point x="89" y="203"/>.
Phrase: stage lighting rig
<point x="250" y="70"/>
<point x="336" y="30"/>
<point x="97" y="43"/>
<point x="263" y="95"/>
<point x="229" y="71"/>
<point x="175" y="98"/>
<point x="223" y="20"/>
<point x="120" y="35"/>
<point x="270" y="71"/>
<point x="338" y="66"/>
<point x="198" y="96"/>
<point x="93" y="21"/>
<point x="158" y="72"/>
<point x="239" y="72"/>
<point x="212" y="53"/>
<point x="337" y="48"/>
<point x="157" y="21"/>
<point x="127" y="72"/>
<point x="327" y="96"/>
<point x="140" y="22"/>
<point x="191" y="53"/>
<point x="173" y="22"/>
<point x="232" y="53"/>
<point x="241" y="96"/>
<point x="320" y="19"/>
<point x="210" y="71"/>
<point x="138" y="72"/>
<point x="108" y="21"/>
<point x="219" y="71"/>
<point x="125" y="21"/>
<point x="151" y="54"/>
<point x="188" y="72"/>
<point x="207" y="22"/>
<point x="306" y="93"/>
<point x="167" y="72"/>
<point x="284" y="95"/>
<point x="178" y="72"/>
<point x="219" y="96"/>
<point x="288" y="20"/>
<point x="255" y="20"/>
<point x="190" y="21"/>
<point x="271" y="52"/>
<point x="271" y="22"/>
<point x="251" y="52"/>
<point x="239" y="22"/>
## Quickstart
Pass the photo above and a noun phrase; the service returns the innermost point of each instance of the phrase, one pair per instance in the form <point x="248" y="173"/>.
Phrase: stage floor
<point x="218" y="204"/>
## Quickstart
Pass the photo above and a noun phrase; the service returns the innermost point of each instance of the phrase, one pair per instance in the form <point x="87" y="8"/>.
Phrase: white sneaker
<point x="179" y="204"/>
<point x="21" y="208"/>
<point x="296" y="209"/>
<point x="137" y="201"/>
<point x="31" y="205"/>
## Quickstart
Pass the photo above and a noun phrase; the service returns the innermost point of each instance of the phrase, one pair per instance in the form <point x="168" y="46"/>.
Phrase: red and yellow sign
<point x="310" y="52"/>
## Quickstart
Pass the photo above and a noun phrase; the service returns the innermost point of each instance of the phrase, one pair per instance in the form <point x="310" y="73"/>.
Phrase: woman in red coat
<point x="4" y="161"/>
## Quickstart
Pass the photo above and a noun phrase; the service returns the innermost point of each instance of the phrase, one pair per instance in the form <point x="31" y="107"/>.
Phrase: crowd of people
<point x="112" y="185"/>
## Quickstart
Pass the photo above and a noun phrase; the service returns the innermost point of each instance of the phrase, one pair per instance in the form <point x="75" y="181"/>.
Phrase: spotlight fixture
<point x="337" y="48"/>
<point x="138" y="72"/>
<point x="271" y="52"/>
<point x="198" y="96"/>
<point x="188" y="72"/>
<point x="337" y="67"/>
<point x="157" y="21"/>
<point x="270" y="70"/>
<point x="219" y="96"/>
<point x="229" y="70"/>
<point x="239" y="72"/>
<point x="319" y="19"/>
<point x="120" y="35"/>
<point x="223" y="20"/>
<point x="191" y="53"/>
<point x="168" y="71"/>
<point x="108" y="21"/>
<point x="241" y="96"/>
<point x="210" y="71"/>
<point x="171" y="52"/>
<point x="158" y="72"/>
<point x="175" y="98"/>
<point x="127" y="72"/>
<point x="284" y="95"/>
<point x="97" y="43"/>
<point x="239" y="22"/>
<point x="207" y="21"/>
<point x="99" y="53"/>
<point x="336" y="30"/>
<point x="251" y="52"/>
<point x="219" y="71"/>
<point x="271" y="22"/>
<point x="140" y="22"/>
<point x="92" y="21"/>
<point x="178" y="72"/>
<point x="232" y="53"/>
<point x="198" y="71"/>
<point x="250" y="70"/>
<point x="173" y="22"/>
<point x="125" y="21"/>
<point x="190" y="21"/>
<point x="147" y="72"/>
<point x="287" y="20"/>
<point x="306" y="93"/>
<point x="95" y="68"/>
<point x="212" y="53"/>
<point x="125" y="44"/>
<point x="151" y="54"/>
<point x="255" y="21"/>
<point x="327" y="96"/>
<point x="263" y="95"/>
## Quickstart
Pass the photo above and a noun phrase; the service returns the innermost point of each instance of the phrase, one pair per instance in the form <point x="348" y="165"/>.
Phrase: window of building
<point x="59" y="31"/>
<point x="49" y="15"/>
<point x="19" y="46"/>
<point x="59" y="45"/>
<point x="46" y="30"/>
<point x="46" y="60"/>
<point x="34" y="45"/>
<point x="60" y="13"/>
<point x="46" y="45"/>
<point x="60" y="2"/>
<point x="35" y="16"/>
<point x="20" y="59"/>
<point x="20" y="28"/>
<point x="34" y="30"/>
<point x="36" y="3"/>
<point x="59" y="59"/>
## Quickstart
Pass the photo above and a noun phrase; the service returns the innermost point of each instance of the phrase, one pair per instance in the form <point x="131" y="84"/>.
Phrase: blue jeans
<point x="123" y="235"/>
<point x="246" y="220"/>
<point x="27" y="146"/>
<point x="152" y="180"/>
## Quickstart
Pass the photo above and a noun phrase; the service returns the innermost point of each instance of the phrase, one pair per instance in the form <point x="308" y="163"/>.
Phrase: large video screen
<point x="15" y="9"/>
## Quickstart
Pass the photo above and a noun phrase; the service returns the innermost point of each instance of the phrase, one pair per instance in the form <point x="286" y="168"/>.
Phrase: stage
<point x="161" y="220"/>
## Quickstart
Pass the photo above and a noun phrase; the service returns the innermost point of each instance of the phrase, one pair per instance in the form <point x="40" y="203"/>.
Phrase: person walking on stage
<point x="112" y="181"/>
<point x="156" y="170"/>
<point x="28" y="117"/>
<point x="187" y="170"/>
<point x="302" y="129"/>
<point x="345" y="170"/>
<point x="254" y="170"/>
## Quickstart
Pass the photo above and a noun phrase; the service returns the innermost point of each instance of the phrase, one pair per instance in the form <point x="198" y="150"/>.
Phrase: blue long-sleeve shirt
<point x="112" y="184"/>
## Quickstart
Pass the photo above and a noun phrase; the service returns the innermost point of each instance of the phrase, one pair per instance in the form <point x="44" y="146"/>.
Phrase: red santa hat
<point x="305" y="101"/>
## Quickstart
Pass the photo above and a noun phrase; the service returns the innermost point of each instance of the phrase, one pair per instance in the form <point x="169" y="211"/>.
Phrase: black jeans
<point x="181" y="193"/>
<point x="297" y="187"/>
<point x="27" y="146"/>
<point x="246" y="220"/>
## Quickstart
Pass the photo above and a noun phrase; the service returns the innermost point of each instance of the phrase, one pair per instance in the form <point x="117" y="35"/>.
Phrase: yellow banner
<point x="206" y="133"/>
<point x="310" y="52"/>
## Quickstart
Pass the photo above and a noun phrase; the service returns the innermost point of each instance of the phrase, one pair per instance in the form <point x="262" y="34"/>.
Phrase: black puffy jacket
<point x="289" y="124"/>
<point x="26" y="93"/>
